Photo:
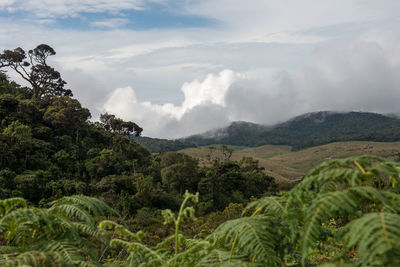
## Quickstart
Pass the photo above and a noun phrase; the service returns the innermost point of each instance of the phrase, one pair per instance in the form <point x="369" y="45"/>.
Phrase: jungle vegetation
<point x="80" y="193"/>
<point x="50" y="149"/>
<point x="343" y="213"/>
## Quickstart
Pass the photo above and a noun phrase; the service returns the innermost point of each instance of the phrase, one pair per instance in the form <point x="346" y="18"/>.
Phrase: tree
<point x="20" y="137"/>
<point x="116" y="125"/>
<point x="33" y="68"/>
<point x="66" y="114"/>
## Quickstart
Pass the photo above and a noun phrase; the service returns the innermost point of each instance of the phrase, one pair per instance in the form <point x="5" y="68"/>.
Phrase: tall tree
<point x="33" y="68"/>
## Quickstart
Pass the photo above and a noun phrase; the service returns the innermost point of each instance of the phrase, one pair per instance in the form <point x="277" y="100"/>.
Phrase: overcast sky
<point x="180" y="67"/>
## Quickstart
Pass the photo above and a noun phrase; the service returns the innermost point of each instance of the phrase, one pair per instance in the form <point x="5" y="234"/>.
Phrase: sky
<point x="181" y="67"/>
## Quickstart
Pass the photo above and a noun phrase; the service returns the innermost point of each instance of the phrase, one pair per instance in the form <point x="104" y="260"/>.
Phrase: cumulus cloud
<point x="203" y="100"/>
<point x="282" y="58"/>
<point x="362" y="75"/>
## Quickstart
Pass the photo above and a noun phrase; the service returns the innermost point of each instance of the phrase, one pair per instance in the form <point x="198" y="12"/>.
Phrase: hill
<point x="307" y="130"/>
<point x="286" y="165"/>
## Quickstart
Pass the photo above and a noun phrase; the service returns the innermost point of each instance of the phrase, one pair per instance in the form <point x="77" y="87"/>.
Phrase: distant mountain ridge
<point x="307" y="130"/>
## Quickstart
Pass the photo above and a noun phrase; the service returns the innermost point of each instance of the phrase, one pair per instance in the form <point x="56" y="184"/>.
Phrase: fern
<point x="64" y="234"/>
<point x="184" y="212"/>
<point x="108" y="226"/>
<point x="195" y="250"/>
<point x="257" y="238"/>
<point x="6" y="205"/>
<point x="90" y="204"/>
<point x="220" y="257"/>
<point x="73" y="212"/>
<point x="141" y="253"/>
<point x="274" y="206"/>
<point x="376" y="237"/>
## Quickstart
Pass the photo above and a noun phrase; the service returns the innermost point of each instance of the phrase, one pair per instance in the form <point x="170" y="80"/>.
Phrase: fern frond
<point x="139" y="251"/>
<point x="329" y="205"/>
<point x="72" y="211"/>
<point x="337" y="265"/>
<point x="218" y="258"/>
<point x="195" y="250"/>
<point x="167" y="242"/>
<point x="256" y="237"/>
<point x="6" y="205"/>
<point x="8" y="249"/>
<point x="91" y="204"/>
<point x="353" y="171"/>
<point x="31" y="259"/>
<point x="322" y="208"/>
<point x="120" y="230"/>
<point x="274" y="206"/>
<point x="89" y="230"/>
<point x="68" y="252"/>
<point x="376" y="237"/>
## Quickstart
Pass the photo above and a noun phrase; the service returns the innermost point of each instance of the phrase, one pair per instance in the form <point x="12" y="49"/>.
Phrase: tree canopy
<point x="33" y="68"/>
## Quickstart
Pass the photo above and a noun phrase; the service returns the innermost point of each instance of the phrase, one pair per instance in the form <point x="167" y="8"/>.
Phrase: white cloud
<point x="281" y="58"/>
<point x="69" y="8"/>
<point x="202" y="99"/>
<point x="362" y="74"/>
<point x="110" y="23"/>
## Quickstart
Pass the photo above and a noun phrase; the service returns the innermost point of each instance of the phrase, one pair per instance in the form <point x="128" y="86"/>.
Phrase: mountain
<point x="307" y="130"/>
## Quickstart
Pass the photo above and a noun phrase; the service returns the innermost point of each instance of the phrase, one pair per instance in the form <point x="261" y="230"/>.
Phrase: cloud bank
<point x="360" y="74"/>
<point x="280" y="59"/>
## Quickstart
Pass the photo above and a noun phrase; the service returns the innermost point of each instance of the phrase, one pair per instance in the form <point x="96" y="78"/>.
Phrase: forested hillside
<point x="49" y="149"/>
<point x="157" y="145"/>
<point x="81" y="193"/>
<point x="306" y="131"/>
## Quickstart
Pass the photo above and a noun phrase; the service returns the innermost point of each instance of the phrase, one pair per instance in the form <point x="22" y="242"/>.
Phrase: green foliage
<point x="64" y="234"/>
<point x="156" y="145"/>
<point x="376" y="238"/>
<point x="344" y="211"/>
<point x="49" y="149"/>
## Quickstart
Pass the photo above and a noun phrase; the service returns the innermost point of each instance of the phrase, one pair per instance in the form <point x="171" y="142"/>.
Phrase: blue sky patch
<point x="153" y="17"/>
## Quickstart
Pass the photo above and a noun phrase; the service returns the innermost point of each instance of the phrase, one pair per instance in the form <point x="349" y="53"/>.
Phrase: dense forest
<point x="80" y="193"/>
<point x="343" y="213"/>
<point x="157" y="145"/>
<point x="307" y="130"/>
<point x="50" y="149"/>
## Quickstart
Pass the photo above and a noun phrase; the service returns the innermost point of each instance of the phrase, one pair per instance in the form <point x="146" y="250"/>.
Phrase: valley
<point x="286" y="165"/>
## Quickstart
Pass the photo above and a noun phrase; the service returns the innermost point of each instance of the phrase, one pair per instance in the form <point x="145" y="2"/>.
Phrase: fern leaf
<point x="151" y="257"/>
<point x="31" y="259"/>
<point x="331" y="204"/>
<point x="323" y="207"/>
<point x="376" y="237"/>
<point x="274" y="206"/>
<point x="8" y="249"/>
<point x="91" y="204"/>
<point x="69" y="254"/>
<point x="256" y="237"/>
<point x="72" y="211"/>
<point x="218" y="258"/>
<point x="107" y="225"/>
<point x="6" y="205"/>
<point x="195" y="250"/>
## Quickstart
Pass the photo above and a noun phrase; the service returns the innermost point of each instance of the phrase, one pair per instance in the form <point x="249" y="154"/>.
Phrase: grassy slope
<point x="285" y="165"/>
